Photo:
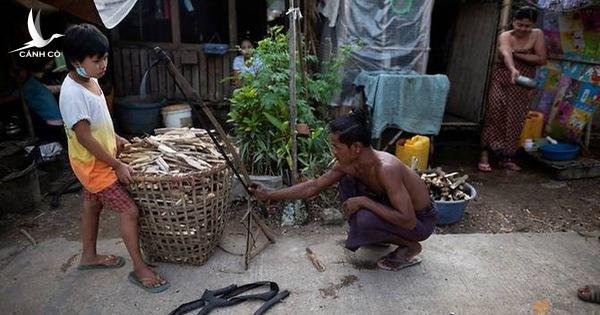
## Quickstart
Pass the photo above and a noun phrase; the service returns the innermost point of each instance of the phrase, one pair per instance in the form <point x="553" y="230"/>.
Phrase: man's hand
<point x="259" y="192"/>
<point x="121" y="143"/>
<point x="124" y="172"/>
<point x="352" y="205"/>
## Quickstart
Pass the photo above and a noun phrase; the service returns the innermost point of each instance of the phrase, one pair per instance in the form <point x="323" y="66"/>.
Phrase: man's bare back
<point x="383" y="165"/>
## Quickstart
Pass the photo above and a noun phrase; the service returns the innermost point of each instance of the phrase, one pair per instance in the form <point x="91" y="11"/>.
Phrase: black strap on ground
<point x="270" y="303"/>
<point x="228" y="296"/>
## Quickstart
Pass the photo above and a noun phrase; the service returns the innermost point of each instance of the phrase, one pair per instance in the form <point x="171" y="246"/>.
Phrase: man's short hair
<point x="81" y="41"/>
<point x="527" y="13"/>
<point x="352" y="128"/>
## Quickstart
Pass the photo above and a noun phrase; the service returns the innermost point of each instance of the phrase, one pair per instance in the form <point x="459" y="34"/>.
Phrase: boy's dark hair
<point x="529" y="13"/>
<point x="83" y="40"/>
<point x="352" y="128"/>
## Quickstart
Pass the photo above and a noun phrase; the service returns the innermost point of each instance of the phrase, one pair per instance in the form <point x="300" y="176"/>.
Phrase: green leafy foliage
<point x="260" y="112"/>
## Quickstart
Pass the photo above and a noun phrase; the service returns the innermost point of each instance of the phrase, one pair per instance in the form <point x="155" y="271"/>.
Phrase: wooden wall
<point x="206" y="73"/>
<point x="472" y="51"/>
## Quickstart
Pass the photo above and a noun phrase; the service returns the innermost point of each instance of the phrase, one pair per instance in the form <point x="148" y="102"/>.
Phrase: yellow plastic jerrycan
<point x="418" y="147"/>
<point x="534" y="124"/>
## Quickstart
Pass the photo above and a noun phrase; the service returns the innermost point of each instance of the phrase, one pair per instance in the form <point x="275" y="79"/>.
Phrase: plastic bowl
<point x="452" y="211"/>
<point x="559" y="152"/>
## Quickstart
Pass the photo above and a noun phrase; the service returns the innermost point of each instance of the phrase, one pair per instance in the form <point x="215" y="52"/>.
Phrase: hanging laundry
<point x="563" y="5"/>
<point x="167" y="9"/>
<point x="187" y="4"/>
<point x="158" y="12"/>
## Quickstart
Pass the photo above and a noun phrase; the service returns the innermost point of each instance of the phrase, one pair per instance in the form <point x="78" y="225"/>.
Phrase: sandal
<point x="110" y="262"/>
<point x="386" y="263"/>
<point x="157" y="288"/>
<point x="589" y="293"/>
<point x="510" y="165"/>
<point x="484" y="167"/>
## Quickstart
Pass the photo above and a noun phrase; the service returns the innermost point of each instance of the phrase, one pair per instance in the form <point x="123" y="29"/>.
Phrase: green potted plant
<point x="260" y="111"/>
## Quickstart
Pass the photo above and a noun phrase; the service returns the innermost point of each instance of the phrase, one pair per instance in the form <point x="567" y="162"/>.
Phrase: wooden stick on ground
<point x="314" y="259"/>
<point x="28" y="236"/>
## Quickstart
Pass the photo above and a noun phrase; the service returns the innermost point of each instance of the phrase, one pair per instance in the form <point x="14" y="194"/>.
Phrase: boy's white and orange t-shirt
<point x="76" y="104"/>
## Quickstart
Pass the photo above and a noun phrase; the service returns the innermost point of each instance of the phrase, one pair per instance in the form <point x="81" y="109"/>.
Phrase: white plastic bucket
<point x="177" y="116"/>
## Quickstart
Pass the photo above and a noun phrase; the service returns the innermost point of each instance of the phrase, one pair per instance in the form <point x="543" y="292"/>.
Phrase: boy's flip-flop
<point x="589" y="293"/>
<point x="133" y="278"/>
<point x="386" y="263"/>
<point x="119" y="262"/>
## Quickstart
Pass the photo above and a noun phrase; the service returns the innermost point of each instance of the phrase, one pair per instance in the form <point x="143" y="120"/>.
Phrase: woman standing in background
<point x="520" y="51"/>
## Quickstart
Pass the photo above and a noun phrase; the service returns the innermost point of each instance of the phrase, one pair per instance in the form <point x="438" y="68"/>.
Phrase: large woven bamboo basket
<point x="182" y="218"/>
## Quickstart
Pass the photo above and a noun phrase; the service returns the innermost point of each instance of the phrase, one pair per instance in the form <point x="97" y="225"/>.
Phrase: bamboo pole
<point x="292" y="38"/>
<point x="575" y="60"/>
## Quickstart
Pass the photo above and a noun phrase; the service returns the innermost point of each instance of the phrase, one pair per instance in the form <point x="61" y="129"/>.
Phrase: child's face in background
<point x="95" y="66"/>
<point x="247" y="48"/>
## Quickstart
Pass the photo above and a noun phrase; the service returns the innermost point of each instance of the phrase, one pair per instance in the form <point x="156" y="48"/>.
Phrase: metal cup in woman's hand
<point x="525" y="82"/>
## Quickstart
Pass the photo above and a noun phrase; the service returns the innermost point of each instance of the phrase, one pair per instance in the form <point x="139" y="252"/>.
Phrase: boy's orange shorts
<point x="114" y="197"/>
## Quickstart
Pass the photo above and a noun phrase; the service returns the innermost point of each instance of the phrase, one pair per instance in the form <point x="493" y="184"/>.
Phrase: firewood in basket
<point x="199" y="164"/>
<point x="162" y="165"/>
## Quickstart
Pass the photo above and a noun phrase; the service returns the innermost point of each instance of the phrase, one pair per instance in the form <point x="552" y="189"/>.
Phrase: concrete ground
<point x="517" y="273"/>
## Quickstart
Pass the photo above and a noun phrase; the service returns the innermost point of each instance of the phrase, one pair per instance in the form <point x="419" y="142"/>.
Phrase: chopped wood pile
<point x="446" y="187"/>
<point x="173" y="152"/>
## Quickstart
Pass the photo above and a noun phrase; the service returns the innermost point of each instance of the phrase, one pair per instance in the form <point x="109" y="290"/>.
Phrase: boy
<point x="93" y="147"/>
<point x="383" y="200"/>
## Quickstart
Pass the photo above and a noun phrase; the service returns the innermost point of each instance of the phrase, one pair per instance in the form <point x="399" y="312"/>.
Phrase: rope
<point x="295" y="12"/>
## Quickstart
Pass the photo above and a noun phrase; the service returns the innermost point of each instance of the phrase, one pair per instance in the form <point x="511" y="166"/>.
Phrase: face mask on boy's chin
<point x="82" y="73"/>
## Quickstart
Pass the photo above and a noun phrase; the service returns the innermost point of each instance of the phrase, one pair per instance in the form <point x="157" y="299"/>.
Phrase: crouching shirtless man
<point x="383" y="200"/>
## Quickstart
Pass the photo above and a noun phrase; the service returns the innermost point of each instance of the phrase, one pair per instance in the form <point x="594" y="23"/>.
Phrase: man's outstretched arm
<point x="299" y="191"/>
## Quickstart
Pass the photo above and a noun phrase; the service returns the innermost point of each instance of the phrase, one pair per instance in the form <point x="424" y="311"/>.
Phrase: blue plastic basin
<point x="452" y="211"/>
<point x="559" y="152"/>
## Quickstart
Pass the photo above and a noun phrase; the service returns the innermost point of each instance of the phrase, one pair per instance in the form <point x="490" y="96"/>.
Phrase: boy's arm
<point x="84" y="136"/>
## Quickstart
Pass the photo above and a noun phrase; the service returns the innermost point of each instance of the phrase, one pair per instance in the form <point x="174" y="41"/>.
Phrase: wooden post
<point x="293" y="14"/>
<point x="175" y="23"/>
<point x="232" y="23"/>
<point x="504" y="15"/>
